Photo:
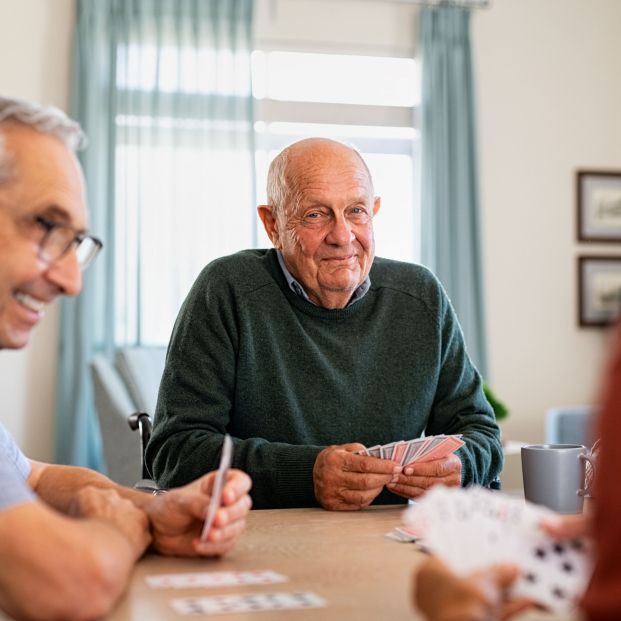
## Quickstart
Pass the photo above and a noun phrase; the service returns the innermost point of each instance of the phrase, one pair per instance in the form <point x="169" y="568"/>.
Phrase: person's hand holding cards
<point x="425" y="462"/>
<point x="205" y="517"/>
<point x="346" y="480"/>
<point x="417" y="478"/>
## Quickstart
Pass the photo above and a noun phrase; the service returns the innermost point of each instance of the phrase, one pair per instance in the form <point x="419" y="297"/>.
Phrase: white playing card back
<point x="216" y="492"/>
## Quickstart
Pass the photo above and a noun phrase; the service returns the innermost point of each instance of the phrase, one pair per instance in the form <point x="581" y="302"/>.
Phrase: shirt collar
<point x="297" y="288"/>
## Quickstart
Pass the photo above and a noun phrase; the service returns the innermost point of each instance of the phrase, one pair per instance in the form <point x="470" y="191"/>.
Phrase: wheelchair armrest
<point x="141" y="421"/>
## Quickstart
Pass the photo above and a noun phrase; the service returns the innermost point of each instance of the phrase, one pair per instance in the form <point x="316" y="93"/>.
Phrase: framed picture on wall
<point x="599" y="290"/>
<point x="598" y="194"/>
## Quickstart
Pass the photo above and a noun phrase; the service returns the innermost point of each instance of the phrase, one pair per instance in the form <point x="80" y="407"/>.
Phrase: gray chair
<point x="126" y="386"/>
<point x="569" y="425"/>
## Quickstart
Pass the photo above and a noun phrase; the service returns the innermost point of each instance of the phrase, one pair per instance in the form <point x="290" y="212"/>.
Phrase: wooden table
<point x="342" y="556"/>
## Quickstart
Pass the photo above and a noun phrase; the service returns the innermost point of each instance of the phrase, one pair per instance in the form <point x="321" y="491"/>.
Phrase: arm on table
<point x="56" y="567"/>
<point x="175" y="518"/>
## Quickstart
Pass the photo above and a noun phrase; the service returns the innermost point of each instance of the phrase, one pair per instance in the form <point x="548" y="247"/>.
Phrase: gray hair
<point x="281" y="189"/>
<point x="44" y="119"/>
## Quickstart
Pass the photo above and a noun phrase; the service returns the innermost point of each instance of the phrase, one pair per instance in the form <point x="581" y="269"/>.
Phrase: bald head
<point x="320" y="217"/>
<point x="288" y="168"/>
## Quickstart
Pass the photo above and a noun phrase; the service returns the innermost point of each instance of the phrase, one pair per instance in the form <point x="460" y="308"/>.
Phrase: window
<point x="189" y="206"/>
<point x="367" y="101"/>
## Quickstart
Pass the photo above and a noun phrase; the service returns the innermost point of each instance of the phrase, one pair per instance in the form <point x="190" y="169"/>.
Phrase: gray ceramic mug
<point x="553" y="475"/>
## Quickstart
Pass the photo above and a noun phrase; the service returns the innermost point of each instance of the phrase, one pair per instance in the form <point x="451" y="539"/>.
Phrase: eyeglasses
<point x="60" y="238"/>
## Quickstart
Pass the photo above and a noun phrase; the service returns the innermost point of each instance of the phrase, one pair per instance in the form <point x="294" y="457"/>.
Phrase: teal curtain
<point x="162" y="89"/>
<point x="450" y="241"/>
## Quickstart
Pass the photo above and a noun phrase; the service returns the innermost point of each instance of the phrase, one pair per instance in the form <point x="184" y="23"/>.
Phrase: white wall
<point x="548" y="103"/>
<point x="35" y="39"/>
<point x="548" y="100"/>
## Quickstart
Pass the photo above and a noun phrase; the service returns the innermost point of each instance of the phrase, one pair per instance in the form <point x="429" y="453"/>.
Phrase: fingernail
<point x="409" y="471"/>
<point x="397" y="470"/>
<point x="391" y="485"/>
<point x="395" y="478"/>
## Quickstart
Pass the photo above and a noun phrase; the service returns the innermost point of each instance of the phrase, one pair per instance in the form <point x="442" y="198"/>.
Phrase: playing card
<point x="213" y="579"/>
<point x="474" y="528"/>
<point x="253" y="602"/>
<point x="553" y="573"/>
<point x="440" y="449"/>
<point x="398" y="451"/>
<point x="416" y="450"/>
<point x="216" y="493"/>
<point x="402" y="534"/>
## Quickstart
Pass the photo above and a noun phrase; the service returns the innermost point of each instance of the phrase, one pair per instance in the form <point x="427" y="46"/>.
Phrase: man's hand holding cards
<point x="425" y="462"/>
<point x="178" y="517"/>
<point x="215" y="502"/>
<point x="349" y="476"/>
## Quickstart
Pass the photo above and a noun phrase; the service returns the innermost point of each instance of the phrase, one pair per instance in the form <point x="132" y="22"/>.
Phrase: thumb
<point x="352" y="447"/>
<point x="194" y="505"/>
<point x="505" y="575"/>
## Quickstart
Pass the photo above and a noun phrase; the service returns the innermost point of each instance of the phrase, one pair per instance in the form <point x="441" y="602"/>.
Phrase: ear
<point x="266" y="213"/>
<point x="376" y="205"/>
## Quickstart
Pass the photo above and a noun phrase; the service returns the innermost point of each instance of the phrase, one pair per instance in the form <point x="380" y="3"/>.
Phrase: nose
<point x="66" y="274"/>
<point x="341" y="232"/>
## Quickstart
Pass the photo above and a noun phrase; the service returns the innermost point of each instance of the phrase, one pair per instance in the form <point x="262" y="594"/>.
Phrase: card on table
<point x="213" y="579"/>
<point x="253" y="602"/>
<point x="474" y="528"/>
<point x="216" y="492"/>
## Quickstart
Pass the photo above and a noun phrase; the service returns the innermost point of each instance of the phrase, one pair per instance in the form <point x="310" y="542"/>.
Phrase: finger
<point x="209" y="548"/>
<point x="434" y="467"/>
<point x="565" y="527"/>
<point x="505" y="574"/>
<point x="406" y="491"/>
<point x="364" y="463"/>
<point x="230" y="531"/>
<point x="424" y="483"/>
<point x="191" y="504"/>
<point x="226" y="515"/>
<point x="362" y="482"/>
<point x="510" y="609"/>
<point x="358" y="499"/>
<point x="237" y="484"/>
<point x="352" y="447"/>
<point x="206" y="482"/>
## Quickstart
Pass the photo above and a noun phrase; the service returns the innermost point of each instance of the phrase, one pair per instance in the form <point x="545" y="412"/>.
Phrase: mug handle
<point x="589" y="458"/>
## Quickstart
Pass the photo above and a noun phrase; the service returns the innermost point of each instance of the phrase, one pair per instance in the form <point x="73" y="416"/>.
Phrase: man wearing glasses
<point x="53" y="566"/>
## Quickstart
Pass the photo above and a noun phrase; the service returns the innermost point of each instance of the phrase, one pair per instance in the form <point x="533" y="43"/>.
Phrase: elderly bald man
<point x="307" y="351"/>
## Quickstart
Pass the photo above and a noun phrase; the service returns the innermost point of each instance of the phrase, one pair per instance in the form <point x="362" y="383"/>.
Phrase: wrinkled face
<point x="47" y="183"/>
<point x="326" y="231"/>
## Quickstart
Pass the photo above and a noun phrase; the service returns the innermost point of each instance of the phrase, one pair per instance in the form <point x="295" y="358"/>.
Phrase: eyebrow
<point x="60" y="215"/>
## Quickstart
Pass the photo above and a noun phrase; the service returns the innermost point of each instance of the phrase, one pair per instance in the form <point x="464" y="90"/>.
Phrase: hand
<point x="443" y="596"/>
<point x="177" y="517"/>
<point x="106" y="505"/>
<point x="416" y="479"/>
<point x="345" y="481"/>
<point x="566" y="526"/>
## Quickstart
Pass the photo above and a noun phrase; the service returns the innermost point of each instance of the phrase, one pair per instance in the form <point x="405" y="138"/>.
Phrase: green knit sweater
<point x="286" y="378"/>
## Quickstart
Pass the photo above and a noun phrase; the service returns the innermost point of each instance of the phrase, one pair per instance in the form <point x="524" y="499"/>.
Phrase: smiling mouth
<point x="346" y="259"/>
<point x="36" y="306"/>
